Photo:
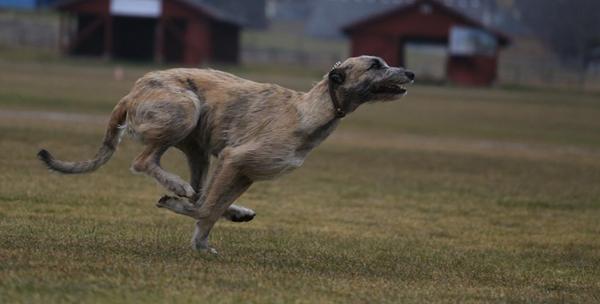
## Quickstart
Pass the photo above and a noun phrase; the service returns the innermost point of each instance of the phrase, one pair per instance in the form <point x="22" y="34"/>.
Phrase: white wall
<point x="139" y="8"/>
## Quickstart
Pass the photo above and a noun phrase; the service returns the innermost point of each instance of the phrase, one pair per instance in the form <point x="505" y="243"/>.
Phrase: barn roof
<point x="400" y="9"/>
<point x="211" y="9"/>
<point x="248" y="12"/>
<point x="216" y="12"/>
<point x="328" y="17"/>
<point x="244" y="13"/>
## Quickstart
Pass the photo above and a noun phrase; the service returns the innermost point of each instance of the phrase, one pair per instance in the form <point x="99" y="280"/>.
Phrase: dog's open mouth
<point x="390" y="89"/>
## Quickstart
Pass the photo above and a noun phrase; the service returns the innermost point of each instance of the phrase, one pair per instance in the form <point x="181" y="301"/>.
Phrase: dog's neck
<point x="317" y="117"/>
<point x="315" y="106"/>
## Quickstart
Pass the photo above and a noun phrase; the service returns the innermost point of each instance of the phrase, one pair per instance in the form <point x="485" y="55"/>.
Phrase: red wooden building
<point x="181" y="31"/>
<point x="471" y="48"/>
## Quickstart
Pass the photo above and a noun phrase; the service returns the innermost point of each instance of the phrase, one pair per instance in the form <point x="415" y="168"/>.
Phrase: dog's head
<point x="363" y="79"/>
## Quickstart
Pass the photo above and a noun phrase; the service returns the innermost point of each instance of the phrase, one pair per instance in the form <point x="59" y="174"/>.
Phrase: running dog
<point x="254" y="131"/>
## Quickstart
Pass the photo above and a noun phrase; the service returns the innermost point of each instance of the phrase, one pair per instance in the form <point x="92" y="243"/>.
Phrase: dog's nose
<point x="410" y="75"/>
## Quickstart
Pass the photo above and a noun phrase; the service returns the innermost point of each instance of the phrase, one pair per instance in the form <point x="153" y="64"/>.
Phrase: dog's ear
<point x="337" y="76"/>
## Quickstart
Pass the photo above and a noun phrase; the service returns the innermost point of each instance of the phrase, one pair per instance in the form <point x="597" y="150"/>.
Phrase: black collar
<point x="339" y="111"/>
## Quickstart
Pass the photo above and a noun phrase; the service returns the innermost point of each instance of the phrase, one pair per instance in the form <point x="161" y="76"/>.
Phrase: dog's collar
<point x="335" y="78"/>
<point x="339" y="111"/>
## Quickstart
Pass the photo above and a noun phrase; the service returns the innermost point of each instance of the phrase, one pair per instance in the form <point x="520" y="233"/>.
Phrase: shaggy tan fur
<point x="255" y="131"/>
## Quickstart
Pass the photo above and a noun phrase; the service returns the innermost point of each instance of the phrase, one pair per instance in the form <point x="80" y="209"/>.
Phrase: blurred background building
<point x="190" y="32"/>
<point x="316" y="33"/>
<point x="464" y="50"/>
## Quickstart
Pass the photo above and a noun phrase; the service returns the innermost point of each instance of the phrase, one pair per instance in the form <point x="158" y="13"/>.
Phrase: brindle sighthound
<point x="255" y="131"/>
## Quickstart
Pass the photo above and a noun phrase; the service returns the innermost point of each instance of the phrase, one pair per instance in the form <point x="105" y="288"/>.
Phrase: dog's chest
<point x="272" y="158"/>
<point x="293" y="157"/>
<point x="271" y="165"/>
<point x="312" y="138"/>
<point x="290" y="163"/>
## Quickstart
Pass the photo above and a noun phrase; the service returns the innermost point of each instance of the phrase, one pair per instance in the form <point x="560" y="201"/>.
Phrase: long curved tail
<point x="109" y="145"/>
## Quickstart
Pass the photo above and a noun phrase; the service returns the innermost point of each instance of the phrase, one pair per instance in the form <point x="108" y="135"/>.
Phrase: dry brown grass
<point x="452" y="195"/>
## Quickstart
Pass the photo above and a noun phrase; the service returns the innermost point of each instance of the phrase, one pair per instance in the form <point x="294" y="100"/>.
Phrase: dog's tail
<point x="109" y="145"/>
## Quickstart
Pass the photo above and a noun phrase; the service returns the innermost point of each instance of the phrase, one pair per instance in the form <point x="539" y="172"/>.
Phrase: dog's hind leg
<point x="148" y="162"/>
<point x="161" y="118"/>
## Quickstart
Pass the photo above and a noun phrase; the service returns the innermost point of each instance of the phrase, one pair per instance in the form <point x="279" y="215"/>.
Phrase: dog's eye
<point x="376" y="65"/>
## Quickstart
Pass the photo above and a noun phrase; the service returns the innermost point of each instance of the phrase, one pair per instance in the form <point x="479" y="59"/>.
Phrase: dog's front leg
<point x="225" y="185"/>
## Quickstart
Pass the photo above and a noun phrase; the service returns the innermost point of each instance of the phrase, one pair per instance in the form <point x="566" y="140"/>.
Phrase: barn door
<point x="427" y="59"/>
<point x="133" y="38"/>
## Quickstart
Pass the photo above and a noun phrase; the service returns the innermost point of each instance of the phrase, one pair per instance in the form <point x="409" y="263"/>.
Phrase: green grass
<point x="452" y="195"/>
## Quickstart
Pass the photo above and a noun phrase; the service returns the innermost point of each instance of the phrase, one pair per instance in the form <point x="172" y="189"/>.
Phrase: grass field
<point x="452" y="195"/>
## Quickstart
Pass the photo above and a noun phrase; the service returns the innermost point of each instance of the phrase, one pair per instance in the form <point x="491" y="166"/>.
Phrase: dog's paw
<point x="242" y="217"/>
<point x="201" y="246"/>
<point x="163" y="202"/>
<point x="238" y="214"/>
<point x="177" y="205"/>
<point x="206" y="250"/>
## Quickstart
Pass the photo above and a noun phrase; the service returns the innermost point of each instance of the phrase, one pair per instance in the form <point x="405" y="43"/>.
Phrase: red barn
<point x="182" y="31"/>
<point x="470" y="48"/>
